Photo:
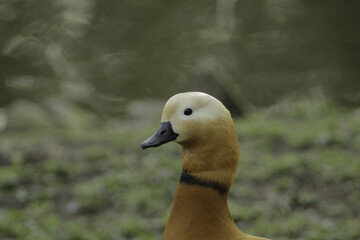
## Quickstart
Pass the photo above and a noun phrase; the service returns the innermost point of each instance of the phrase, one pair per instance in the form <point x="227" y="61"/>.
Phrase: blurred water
<point x="247" y="53"/>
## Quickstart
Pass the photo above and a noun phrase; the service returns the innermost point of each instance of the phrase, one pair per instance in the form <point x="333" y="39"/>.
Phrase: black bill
<point x="163" y="135"/>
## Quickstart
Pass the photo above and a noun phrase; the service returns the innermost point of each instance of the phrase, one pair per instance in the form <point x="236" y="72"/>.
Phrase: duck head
<point x="188" y="118"/>
<point x="203" y="126"/>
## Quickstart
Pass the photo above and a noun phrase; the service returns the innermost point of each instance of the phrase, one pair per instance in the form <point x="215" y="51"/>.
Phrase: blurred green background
<point x="83" y="82"/>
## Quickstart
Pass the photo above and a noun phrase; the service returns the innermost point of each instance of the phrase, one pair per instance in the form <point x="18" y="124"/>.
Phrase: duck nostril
<point x="162" y="132"/>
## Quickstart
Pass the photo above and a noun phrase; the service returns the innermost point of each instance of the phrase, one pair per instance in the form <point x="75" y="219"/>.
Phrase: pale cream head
<point x="207" y="112"/>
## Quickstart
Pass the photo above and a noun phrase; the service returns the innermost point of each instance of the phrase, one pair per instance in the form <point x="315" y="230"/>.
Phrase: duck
<point x="204" y="128"/>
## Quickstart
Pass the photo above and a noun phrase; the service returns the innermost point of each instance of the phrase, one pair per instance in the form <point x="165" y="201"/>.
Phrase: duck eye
<point x="188" y="111"/>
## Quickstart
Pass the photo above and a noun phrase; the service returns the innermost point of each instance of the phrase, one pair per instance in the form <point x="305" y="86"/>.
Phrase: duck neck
<point x="214" y="159"/>
<point x="199" y="210"/>
<point x="200" y="206"/>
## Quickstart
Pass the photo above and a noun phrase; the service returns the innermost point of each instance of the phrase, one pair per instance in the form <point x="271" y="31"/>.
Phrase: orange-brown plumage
<point x="209" y="161"/>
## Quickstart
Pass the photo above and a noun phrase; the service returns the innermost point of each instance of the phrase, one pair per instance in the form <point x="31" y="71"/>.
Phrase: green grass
<point x="298" y="177"/>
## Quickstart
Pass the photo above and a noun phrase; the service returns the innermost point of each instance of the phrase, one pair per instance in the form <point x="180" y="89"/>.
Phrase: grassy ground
<point x="298" y="177"/>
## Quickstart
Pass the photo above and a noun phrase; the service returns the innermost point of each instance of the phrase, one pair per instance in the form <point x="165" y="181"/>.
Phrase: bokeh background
<point x="83" y="82"/>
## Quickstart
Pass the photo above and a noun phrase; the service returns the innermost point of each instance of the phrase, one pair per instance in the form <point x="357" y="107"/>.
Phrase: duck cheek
<point x="183" y="134"/>
<point x="180" y="139"/>
<point x="188" y="135"/>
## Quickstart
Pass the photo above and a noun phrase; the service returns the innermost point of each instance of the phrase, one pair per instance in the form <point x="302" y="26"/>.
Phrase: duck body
<point x="204" y="128"/>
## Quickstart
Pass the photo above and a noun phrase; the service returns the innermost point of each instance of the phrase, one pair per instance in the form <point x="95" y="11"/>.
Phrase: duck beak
<point x="163" y="135"/>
